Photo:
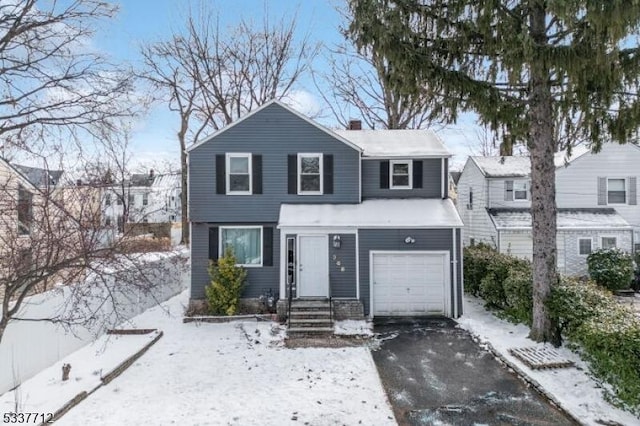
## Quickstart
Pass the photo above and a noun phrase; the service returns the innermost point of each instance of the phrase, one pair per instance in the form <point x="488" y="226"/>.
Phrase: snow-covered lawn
<point x="235" y="373"/>
<point x="572" y="388"/>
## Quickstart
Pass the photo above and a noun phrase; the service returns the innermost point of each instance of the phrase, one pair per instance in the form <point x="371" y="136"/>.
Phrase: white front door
<point x="313" y="266"/>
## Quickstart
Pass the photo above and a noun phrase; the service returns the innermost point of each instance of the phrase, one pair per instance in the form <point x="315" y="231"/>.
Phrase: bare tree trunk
<point x="543" y="203"/>
<point x="183" y="196"/>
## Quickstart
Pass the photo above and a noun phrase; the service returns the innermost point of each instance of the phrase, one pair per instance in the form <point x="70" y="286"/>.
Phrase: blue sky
<point x="143" y="21"/>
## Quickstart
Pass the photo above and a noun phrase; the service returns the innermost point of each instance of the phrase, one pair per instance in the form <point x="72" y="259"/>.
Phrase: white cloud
<point x="304" y="102"/>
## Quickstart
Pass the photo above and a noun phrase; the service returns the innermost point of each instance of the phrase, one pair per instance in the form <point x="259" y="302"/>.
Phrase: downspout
<point x="455" y="274"/>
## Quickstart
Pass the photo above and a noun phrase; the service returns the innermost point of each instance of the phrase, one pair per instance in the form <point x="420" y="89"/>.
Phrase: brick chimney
<point x="355" y="125"/>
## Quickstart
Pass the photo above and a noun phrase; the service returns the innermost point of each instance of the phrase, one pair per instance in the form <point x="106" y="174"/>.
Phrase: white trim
<point x="359" y="177"/>
<point x="350" y="229"/>
<point x="626" y="190"/>
<point x="566" y="228"/>
<point x="299" y="172"/>
<point x="409" y="164"/>
<point x="221" y="251"/>
<point x="584" y="238"/>
<point x="283" y="266"/>
<point x="454" y="281"/>
<point x="399" y="156"/>
<point x="461" y="260"/>
<point x="318" y="230"/>
<point x="227" y="172"/>
<point x="447" y="283"/>
<point x="357" y="265"/>
<point x="286" y="107"/>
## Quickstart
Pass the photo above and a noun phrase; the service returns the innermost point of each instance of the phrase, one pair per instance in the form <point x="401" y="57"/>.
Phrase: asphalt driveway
<point x="434" y="373"/>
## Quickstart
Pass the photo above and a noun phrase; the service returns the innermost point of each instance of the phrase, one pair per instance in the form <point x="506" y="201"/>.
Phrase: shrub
<point x="608" y="333"/>
<point x="227" y="282"/>
<point x="611" y="268"/>
<point x="476" y="259"/>
<point x="518" y="290"/>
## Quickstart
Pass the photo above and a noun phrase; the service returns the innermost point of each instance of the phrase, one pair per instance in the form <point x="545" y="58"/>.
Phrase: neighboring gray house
<point x="596" y="195"/>
<point x="358" y="216"/>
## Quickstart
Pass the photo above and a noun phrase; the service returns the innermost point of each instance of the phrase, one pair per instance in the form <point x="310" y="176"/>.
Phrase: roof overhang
<point x="383" y="214"/>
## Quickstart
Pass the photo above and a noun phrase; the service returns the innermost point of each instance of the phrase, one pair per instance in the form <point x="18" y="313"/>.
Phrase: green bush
<point x="518" y="289"/>
<point x="608" y="333"/>
<point x="476" y="259"/>
<point x="611" y="268"/>
<point x="227" y="282"/>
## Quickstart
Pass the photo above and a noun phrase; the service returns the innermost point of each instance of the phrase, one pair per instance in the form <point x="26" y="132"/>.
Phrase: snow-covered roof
<point x="604" y="218"/>
<point x="396" y="143"/>
<point x="166" y="181"/>
<point x="388" y="213"/>
<point x="505" y="166"/>
<point x="520" y="166"/>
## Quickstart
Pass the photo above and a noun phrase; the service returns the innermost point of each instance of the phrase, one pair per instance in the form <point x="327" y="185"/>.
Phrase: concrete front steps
<point x="310" y="318"/>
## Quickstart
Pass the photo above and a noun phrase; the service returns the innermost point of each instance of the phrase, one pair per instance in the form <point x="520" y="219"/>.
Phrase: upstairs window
<point x="616" y="191"/>
<point x="401" y="172"/>
<point x="107" y="199"/>
<point x="310" y="174"/>
<point x="520" y="190"/>
<point x="238" y="174"/>
<point x="25" y="211"/>
<point x="470" y="204"/>
<point x="145" y="199"/>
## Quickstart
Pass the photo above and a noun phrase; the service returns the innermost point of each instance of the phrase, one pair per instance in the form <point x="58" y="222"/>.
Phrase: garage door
<point x="410" y="283"/>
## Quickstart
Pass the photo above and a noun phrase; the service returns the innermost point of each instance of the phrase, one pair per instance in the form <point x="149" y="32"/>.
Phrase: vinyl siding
<point x="393" y="240"/>
<point x="273" y="133"/>
<point x="577" y="183"/>
<point x="477" y="223"/>
<point x="343" y="275"/>
<point x="259" y="279"/>
<point x="497" y="197"/>
<point x="431" y="181"/>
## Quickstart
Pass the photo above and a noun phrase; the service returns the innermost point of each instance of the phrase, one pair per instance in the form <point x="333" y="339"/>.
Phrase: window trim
<point x="227" y="172"/>
<point x="591" y="246"/>
<point x="409" y="163"/>
<point x="321" y="172"/>
<point x="526" y="190"/>
<point x="221" y="249"/>
<point x="626" y="191"/>
<point x="608" y="236"/>
<point x="24" y="227"/>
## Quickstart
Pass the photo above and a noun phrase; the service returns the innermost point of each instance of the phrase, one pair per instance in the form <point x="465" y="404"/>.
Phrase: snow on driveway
<point x="235" y="374"/>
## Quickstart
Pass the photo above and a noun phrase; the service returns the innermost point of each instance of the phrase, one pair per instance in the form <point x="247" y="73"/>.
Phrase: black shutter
<point x="384" y="175"/>
<point x="213" y="243"/>
<point x="328" y="174"/>
<point x="267" y="246"/>
<point x="292" y="162"/>
<point x="220" y="174"/>
<point x="417" y="173"/>
<point x="256" y="165"/>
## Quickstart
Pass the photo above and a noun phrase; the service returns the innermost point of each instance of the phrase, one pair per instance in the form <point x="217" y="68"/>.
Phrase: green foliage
<point x="476" y="259"/>
<point x="503" y="281"/>
<point x="608" y="333"/>
<point x="611" y="268"/>
<point x="227" y="282"/>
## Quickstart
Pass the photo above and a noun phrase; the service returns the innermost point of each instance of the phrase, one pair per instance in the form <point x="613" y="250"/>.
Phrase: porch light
<point x="409" y="240"/>
<point x="336" y="241"/>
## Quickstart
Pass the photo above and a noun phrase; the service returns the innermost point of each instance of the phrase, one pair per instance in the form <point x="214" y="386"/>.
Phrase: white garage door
<point x="410" y="283"/>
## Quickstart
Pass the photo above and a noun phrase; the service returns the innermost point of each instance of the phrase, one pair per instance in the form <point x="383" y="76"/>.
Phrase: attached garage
<point x="410" y="283"/>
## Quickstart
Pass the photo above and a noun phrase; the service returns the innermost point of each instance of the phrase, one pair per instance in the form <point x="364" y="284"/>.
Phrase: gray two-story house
<point x="358" y="216"/>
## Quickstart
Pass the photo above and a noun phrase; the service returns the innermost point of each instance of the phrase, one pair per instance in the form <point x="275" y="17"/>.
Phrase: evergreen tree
<point x="522" y="66"/>
<point x="227" y="282"/>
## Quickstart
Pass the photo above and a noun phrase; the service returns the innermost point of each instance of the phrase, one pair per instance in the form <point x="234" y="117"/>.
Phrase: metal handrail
<point x="330" y="299"/>
<point x="290" y="297"/>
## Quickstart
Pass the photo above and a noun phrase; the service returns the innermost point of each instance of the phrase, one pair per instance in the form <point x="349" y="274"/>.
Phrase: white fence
<point x="28" y="347"/>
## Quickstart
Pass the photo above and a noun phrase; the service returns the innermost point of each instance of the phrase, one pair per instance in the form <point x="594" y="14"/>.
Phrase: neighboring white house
<point x="596" y="195"/>
<point x="149" y="198"/>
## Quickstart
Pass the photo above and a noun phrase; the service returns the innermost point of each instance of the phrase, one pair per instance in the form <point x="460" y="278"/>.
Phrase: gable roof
<point x="282" y="105"/>
<point x="396" y="143"/>
<point x="39" y="178"/>
<point x="520" y="166"/>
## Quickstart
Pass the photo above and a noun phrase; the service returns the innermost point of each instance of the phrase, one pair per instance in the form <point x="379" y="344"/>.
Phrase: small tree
<point x="227" y="282"/>
<point x="611" y="268"/>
